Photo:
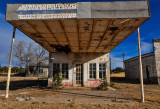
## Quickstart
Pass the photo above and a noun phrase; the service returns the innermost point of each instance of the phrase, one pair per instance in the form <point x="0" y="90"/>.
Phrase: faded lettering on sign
<point x="47" y="11"/>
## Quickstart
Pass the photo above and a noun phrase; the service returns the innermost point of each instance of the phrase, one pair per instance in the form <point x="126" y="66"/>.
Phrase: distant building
<point x="150" y="65"/>
<point x="43" y="70"/>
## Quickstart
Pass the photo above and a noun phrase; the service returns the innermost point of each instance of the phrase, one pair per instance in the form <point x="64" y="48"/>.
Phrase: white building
<point x="150" y="65"/>
<point x="81" y="69"/>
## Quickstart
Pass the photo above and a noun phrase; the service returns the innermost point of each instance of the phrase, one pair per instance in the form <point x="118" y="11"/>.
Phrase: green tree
<point x="118" y="70"/>
<point x="15" y="69"/>
<point x="4" y="69"/>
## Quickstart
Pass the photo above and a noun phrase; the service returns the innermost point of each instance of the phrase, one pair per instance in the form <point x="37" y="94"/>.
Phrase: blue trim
<point x="58" y="11"/>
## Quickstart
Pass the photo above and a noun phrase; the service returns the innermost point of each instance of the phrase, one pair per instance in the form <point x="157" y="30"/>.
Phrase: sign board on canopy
<point x="47" y="11"/>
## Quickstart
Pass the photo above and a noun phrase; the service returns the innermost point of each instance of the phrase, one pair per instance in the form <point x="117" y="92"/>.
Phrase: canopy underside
<point x="80" y="35"/>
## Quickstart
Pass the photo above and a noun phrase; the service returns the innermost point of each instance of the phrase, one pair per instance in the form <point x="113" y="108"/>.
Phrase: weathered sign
<point x="47" y="11"/>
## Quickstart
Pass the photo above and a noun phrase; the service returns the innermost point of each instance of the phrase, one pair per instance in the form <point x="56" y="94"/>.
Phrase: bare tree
<point x="29" y="54"/>
<point x="41" y="57"/>
<point x="23" y="52"/>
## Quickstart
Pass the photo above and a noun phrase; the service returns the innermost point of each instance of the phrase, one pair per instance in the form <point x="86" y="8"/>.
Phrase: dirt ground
<point x="125" y="96"/>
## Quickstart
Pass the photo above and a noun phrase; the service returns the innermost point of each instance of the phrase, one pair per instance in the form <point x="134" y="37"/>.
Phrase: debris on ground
<point x="2" y="95"/>
<point x="110" y="88"/>
<point x="22" y="93"/>
<point x="24" y="98"/>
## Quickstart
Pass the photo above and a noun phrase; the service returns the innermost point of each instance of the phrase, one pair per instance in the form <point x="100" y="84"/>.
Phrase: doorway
<point x="148" y="73"/>
<point x="79" y="74"/>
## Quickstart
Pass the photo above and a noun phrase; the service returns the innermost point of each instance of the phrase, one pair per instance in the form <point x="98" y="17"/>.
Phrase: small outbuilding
<point x="150" y="65"/>
<point x="41" y="69"/>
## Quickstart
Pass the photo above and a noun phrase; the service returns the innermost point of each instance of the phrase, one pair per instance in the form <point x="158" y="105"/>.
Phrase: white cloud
<point x="146" y="47"/>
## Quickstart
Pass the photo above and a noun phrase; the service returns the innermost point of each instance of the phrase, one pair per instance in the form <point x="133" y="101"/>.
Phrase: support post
<point x="123" y="61"/>
<point x="10" y="61"/>
<point x="110" y="65"/>
<point x="140" y="65"/>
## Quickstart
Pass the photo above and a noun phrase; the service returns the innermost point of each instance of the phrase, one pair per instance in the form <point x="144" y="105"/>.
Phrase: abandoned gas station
<point x="79" y="36"/>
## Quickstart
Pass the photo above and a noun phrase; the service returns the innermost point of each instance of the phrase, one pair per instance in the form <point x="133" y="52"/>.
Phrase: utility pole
<point x="10" y="62"/>
<point x="140" y="65"/>
<point x="123" y="61"/>
<point x="110" y="65"/>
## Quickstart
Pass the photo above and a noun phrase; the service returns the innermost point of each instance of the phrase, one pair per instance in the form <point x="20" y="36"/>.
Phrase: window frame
<point x="92" y="71"/>
<point x="57" y="64"/>
<point x="102" y="70"/>
<point x="65" y="71"/>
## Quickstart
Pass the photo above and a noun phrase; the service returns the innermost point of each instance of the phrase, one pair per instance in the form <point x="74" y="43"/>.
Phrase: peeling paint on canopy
<point x="82" y="26"/>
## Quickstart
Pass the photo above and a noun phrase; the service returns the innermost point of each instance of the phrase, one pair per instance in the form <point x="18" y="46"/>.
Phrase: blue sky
<point x="149" y="30"/>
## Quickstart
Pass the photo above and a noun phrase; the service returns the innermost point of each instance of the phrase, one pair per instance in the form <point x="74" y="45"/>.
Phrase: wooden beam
<point x="28" y="34"/>
<point x="104" y="34"/>
<point x="137" y="25"/>
<point x="38" y="33"/>
<point x="61" y="23"/>
<point x="121" y="27"/>
<point x="91" y="34"/>
<point x="78" y="33"/>
<point x="50" y="31"/>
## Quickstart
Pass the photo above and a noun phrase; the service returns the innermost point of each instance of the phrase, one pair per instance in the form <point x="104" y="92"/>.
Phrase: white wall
<point x="80" y="58"/>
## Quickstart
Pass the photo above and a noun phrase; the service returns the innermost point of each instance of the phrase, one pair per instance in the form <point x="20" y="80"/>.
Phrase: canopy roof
<point x="79" y="27"/>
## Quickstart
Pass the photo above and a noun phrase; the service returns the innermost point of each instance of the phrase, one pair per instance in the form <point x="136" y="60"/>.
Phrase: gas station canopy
<point x="79" y="27"/>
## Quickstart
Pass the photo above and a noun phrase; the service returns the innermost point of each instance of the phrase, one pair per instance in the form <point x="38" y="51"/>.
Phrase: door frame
<point x="74" y="79"/>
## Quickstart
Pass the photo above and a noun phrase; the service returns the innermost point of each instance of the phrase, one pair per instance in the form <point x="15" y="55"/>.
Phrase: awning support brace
<point x="10" y="62"/>
<point x="140" y="66"/>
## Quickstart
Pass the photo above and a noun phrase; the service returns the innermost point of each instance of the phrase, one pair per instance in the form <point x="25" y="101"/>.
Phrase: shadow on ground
<point x="20" y="84"/>
<point x="124" y="80"/>
<point x="15" y="85"/>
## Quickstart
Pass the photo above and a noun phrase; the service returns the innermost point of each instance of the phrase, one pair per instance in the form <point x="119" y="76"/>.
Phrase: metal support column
<point x="123" y="61"/>
<point x="110" y="64"/>
<point x="140" y="66"/>
<point x="10" y="61"/>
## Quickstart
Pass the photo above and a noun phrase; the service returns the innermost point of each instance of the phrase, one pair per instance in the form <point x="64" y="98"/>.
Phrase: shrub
<point x="104" y="85"/>
<point x="56" y="80"/>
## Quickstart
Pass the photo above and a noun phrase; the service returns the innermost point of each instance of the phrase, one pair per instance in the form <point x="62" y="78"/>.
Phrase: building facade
<point x="80" y="69"/>
<point x="150" y="65"/>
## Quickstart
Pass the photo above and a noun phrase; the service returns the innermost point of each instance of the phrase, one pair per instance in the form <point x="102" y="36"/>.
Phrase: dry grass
<point x="128" y="91"/>
<point x="121" y="74"/>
